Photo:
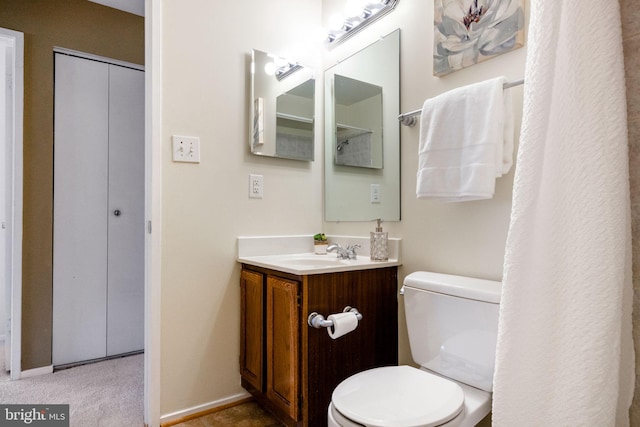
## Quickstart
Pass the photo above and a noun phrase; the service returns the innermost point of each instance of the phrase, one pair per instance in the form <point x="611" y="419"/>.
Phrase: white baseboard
<point x="202" y="408"/>
<point x="36" y="372"/>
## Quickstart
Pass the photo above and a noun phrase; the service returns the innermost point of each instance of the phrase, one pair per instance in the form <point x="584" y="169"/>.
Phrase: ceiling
<point x="132" y="6"/>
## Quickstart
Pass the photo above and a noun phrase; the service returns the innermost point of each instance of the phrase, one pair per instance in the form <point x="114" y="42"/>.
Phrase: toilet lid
<point x="398" y="396"/>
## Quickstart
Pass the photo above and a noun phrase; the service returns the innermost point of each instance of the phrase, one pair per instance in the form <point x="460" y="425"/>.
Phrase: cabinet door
<point x="251" y="332"/>
<point x="283" y="345"/>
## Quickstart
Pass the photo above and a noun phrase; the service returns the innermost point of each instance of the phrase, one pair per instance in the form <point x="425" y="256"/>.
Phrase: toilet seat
<point x="398" y="396"/>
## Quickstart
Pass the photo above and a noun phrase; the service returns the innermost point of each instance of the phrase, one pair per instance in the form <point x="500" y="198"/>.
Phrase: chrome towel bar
<point x="409" y="119"/>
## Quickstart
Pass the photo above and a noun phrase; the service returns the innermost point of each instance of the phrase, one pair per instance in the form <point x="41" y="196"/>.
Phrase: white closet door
<point x="98" y="290"/>
<point x="81" y="157"/>
<point x="125" y="300"/>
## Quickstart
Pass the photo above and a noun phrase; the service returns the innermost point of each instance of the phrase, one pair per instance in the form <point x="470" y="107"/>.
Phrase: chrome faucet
<point x="342" y="253"/>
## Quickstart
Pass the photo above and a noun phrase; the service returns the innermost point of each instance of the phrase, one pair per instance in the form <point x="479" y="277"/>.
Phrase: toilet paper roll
<point x="343" y="323"/>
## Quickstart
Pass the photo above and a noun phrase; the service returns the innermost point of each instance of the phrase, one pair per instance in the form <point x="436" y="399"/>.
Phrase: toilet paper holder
<point x="318" y="321"/>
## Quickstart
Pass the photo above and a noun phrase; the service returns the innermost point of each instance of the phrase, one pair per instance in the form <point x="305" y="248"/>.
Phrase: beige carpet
<point x="103" y="394"/>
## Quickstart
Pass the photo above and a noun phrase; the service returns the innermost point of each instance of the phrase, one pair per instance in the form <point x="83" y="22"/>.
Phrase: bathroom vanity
<point x="292" y="368"/>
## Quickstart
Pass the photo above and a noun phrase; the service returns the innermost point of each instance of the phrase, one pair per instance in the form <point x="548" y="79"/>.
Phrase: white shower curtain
<point x="565" y="354"/>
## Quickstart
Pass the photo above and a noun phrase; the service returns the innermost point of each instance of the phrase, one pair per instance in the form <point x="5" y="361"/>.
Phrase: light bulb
<point x="270" y="68"/>
<point x="319" y="34"/>
<point x="336" y="22"/>
<point x="354" y="7"/>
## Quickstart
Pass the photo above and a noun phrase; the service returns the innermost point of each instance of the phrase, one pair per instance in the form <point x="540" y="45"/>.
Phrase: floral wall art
<point x="471" y="31"/>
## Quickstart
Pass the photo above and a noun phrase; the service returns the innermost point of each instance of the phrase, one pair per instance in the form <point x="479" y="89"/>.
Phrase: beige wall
<point x="73" y="24"/>
<point x="631" y="44"/>
<point x="206" y="49"/>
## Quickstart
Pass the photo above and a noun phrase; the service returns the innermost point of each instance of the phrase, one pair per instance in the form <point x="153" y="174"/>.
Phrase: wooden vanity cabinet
<point x="291" y="368"/>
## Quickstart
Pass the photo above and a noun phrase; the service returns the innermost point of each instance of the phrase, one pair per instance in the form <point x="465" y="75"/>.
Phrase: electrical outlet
<point x="255" y="186"/>
<point x="374" y="193"/>
<point x="186" y="149"/>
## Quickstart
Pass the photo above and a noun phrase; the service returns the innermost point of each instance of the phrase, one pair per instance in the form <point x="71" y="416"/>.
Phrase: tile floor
<point x="245" y="415"/>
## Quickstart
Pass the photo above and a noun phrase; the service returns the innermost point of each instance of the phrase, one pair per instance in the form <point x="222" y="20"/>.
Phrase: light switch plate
<point x="374" y="193"/>
<point x="186" y="149"/>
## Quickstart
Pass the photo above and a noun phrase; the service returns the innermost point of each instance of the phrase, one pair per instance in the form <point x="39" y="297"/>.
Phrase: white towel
<point x="466" y="141"/>
<point x="565" y="353"/>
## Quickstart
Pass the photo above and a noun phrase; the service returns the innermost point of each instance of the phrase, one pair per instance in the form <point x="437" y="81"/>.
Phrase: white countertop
<point x="310" y="263"/>
<point x="294" y="254"/>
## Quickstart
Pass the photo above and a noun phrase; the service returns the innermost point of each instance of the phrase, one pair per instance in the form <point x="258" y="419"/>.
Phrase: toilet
<point x="452" y="323"/>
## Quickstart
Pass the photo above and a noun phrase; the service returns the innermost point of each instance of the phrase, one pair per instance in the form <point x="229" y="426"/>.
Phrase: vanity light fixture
<point x="358" y="14"/>
<point x="280" y="67"/>
<point x="287" y="70"/>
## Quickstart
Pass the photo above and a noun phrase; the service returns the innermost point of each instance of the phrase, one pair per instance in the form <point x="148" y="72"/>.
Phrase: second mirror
<point x="281" y="108"/>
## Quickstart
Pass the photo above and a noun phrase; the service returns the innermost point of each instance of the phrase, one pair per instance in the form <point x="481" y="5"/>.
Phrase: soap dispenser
<point x="379" y="247"/>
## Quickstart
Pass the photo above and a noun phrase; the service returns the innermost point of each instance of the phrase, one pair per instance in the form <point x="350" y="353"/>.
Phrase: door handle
<point x="117" y="212"/>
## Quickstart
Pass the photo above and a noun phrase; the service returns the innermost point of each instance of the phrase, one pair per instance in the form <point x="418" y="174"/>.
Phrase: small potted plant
<point x="320" y="244"/>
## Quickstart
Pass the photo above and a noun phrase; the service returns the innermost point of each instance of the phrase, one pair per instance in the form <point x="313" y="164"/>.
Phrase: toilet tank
<point x="453" y="325"/>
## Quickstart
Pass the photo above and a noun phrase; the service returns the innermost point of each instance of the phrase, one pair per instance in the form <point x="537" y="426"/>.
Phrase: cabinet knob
<point x="117" y="212"/>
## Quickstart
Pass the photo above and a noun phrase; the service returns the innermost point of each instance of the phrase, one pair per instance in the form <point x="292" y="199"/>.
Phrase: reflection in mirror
<point x="356" y="190"/>
<point x="281" y="113"/>
<point x="358" y="113"/>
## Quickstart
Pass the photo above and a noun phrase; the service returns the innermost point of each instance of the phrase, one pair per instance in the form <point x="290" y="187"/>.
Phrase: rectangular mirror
<point x="362" y="134"/>
<point x="281" y="108"/>
<point x="358" y="114"/>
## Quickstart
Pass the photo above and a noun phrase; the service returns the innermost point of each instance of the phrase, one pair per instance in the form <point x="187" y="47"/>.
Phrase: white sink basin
<point x="309" y="263"/>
